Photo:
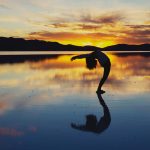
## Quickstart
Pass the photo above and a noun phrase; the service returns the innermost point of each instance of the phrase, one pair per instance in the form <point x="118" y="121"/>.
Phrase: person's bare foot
<point x="100" y="91"/>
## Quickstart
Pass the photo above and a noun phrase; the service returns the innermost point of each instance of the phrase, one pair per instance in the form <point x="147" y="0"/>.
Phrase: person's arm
<point x="79" y="127"/>
<point x="79" y="56"/>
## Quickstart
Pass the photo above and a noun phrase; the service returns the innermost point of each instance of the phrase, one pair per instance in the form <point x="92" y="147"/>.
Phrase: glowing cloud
<point x="89" y="22"/>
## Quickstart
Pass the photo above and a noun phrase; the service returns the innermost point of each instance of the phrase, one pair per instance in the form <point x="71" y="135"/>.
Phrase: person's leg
<point x="104" y="78"/>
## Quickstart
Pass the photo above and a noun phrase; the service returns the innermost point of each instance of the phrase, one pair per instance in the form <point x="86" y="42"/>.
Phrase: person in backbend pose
<point x="91" y="63"/>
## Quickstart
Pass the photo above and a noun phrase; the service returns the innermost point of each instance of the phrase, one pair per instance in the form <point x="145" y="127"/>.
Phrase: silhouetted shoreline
<point x="20" y="44"/>
<point x="10" y="59"/>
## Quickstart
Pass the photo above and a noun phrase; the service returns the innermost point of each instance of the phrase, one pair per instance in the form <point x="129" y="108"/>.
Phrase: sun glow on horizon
<point x="82" y="23"/>
<point x="99" y="43"/>
<point x="78" y="41"/>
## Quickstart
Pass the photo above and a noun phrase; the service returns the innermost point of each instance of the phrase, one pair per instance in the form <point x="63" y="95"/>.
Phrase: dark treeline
<point x="20" y="44"/>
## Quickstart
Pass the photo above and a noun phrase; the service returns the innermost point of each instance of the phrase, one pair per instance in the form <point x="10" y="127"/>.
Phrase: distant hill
<point x="125" y="47"/>
<point x="20" y="44"/>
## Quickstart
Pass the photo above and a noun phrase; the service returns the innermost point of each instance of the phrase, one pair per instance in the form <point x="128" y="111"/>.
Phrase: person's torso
<point x="102" y="58"/>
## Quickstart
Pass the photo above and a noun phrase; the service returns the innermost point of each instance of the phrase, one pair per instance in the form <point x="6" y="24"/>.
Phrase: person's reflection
<point x="92" y="124"/>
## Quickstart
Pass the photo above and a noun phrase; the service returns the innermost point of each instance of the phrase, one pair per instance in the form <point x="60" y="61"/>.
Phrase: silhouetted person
<point x="91" y="63"/>
<point x="92" y="124"/>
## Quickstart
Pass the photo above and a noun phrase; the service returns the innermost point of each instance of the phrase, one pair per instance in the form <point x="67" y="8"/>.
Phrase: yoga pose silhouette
<point x="91" y="64"/>
<point x="92" y="123"/>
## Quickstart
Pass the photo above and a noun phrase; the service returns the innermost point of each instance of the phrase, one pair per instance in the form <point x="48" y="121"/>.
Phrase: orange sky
<point x="87" y="22"/>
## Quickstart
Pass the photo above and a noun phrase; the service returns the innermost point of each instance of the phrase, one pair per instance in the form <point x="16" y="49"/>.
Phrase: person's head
<point x="91" y="121"/>
<point x="91" y="63"/>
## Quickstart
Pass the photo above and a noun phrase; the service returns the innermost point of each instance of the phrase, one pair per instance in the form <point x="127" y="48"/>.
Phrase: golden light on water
<point x="56" y="77"/>
<point x="62" y="68"/>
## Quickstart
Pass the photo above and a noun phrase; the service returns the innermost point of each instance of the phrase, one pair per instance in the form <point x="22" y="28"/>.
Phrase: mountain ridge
<point x="20" y="44"/>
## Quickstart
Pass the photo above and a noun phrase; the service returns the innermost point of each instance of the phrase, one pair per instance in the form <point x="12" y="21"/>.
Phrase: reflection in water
<point x="12" y="59"/>
<point x="36" y="80"/>
<point x="94" y="125"/>
<point x="35" y="104"/>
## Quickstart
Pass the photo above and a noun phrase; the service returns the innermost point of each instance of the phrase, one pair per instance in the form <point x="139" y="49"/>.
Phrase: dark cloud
<point x="87" y="27"/>
<point x="103" y="19"/>
<point x="60" y="25"/>
<point x="75" y="26"/>
<point x="128" y="36"/>
<point x="55" y="35"/>
<point x="134" y="34"/>
<point x="137" y="35"/>
<point x="139" y="26"/>
<point x="133" y="40"/>
<point x="68" y="35"/>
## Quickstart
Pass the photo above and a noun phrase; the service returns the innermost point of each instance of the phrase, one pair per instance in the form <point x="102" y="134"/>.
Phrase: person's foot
<point x="100" y="91"/>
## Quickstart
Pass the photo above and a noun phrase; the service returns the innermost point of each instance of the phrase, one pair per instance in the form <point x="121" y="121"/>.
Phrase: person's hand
<point x="73" y="58"/>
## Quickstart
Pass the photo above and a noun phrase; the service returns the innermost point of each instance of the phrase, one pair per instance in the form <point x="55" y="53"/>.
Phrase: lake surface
<point x="42" y="99"/>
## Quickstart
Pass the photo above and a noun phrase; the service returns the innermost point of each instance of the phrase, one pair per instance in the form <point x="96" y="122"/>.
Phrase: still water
<point x="42" y="99"/>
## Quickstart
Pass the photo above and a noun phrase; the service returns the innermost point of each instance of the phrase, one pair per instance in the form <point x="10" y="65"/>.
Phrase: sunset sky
<point x="79" y="22"/>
